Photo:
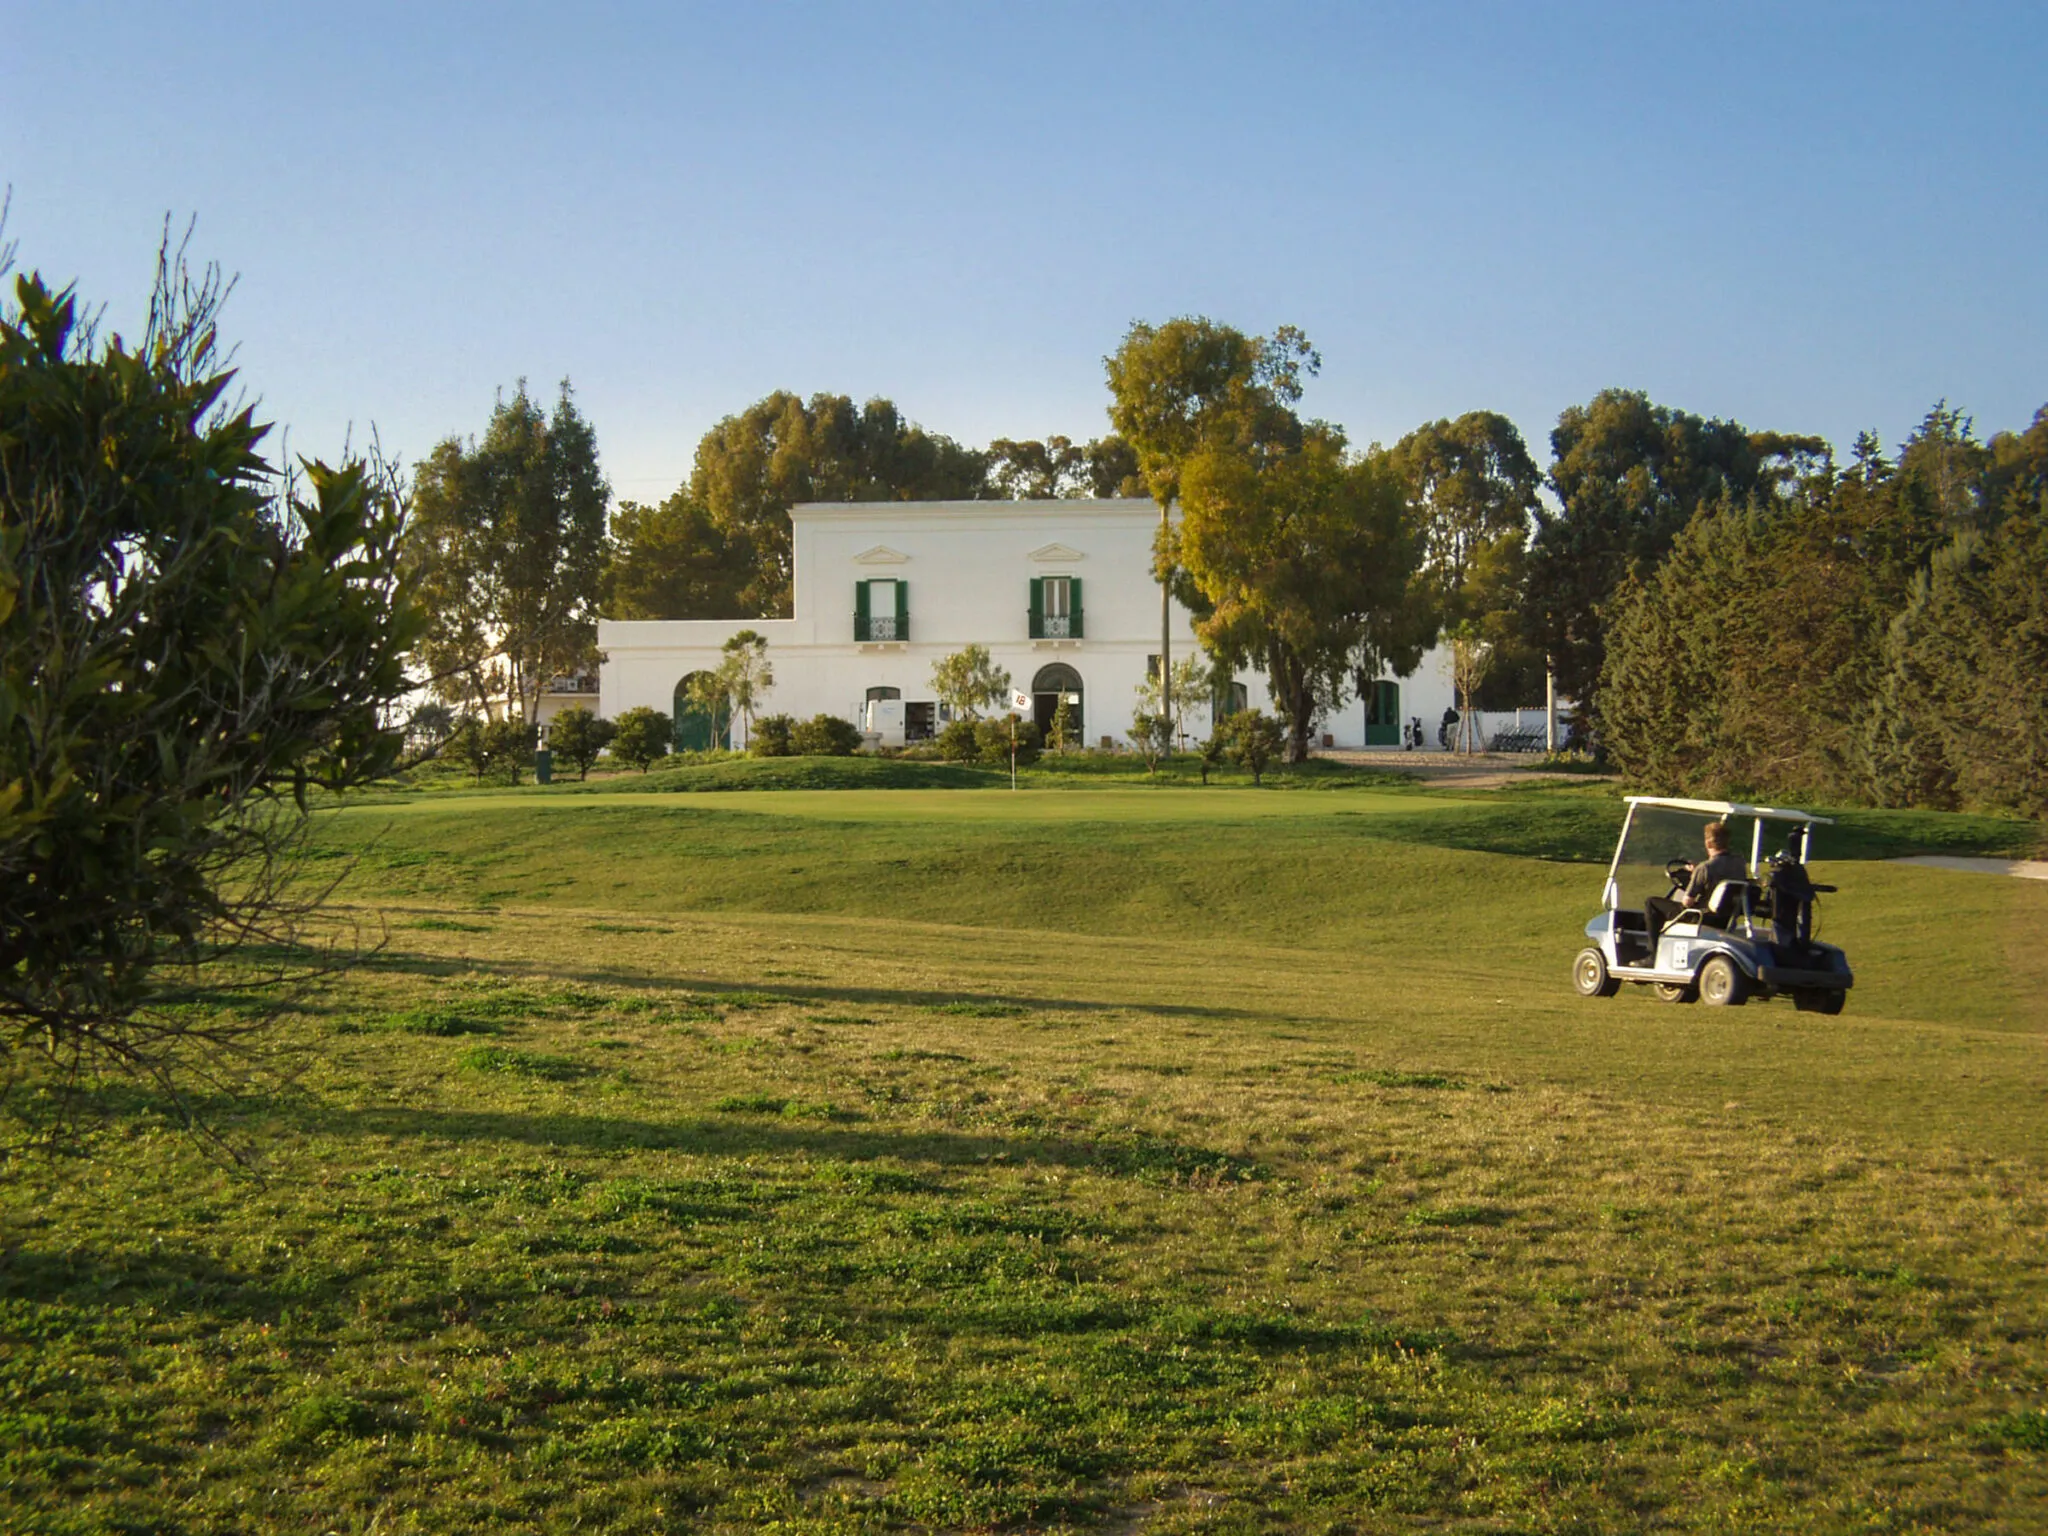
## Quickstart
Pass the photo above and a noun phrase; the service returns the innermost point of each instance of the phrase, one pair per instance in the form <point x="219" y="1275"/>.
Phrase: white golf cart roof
<point x="1731" y="808"/>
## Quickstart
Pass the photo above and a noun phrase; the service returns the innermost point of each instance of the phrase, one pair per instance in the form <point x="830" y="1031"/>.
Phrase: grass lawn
<point x="1099" y="1158"/>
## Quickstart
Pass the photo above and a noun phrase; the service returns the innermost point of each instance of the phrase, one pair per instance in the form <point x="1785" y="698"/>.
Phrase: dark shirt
<point x="1722" y="866"/>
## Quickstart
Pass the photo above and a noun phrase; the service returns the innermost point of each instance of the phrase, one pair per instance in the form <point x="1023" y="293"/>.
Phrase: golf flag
<point x="1020" y="702"/>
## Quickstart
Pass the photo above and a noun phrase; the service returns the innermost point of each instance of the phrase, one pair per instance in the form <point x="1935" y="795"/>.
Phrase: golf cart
<point x="1747" y="938"/>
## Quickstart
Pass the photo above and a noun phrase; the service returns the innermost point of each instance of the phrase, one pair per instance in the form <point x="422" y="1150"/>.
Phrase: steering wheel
<point x="1679" y="871"/>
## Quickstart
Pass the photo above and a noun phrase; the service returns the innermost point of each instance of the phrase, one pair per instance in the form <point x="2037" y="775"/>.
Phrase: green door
<point x="1383" y="714"/>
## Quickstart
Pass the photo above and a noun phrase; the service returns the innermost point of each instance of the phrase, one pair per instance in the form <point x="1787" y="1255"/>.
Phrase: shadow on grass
<point x="167" y="1276"/>
<point x="1151" y="1159"/>
<point x="407" y="963"/>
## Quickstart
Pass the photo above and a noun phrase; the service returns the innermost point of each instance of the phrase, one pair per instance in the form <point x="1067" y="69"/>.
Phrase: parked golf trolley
<point x="1748" y="938"/>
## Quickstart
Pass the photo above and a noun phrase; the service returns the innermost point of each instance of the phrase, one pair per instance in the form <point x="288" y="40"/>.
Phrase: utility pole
<point x="1165" y="627"/>
<point x="1549" y="707"/>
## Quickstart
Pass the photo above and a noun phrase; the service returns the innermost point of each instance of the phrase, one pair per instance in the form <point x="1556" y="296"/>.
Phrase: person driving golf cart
<point x="1742" y="929"/>
<point x="1701" y="878"/>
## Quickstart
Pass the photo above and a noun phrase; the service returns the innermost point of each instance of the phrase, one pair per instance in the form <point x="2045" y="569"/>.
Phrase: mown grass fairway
<point x="1100" y="1159"/>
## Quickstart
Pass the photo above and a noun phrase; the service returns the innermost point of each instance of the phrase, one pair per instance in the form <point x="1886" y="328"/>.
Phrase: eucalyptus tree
<point x="672" y="561"/>
<point x="1191" y="384"/>
<point x="752" y="467"/>
<point x="507" y="549"/>
<point x="1308" y="562"/>
<point x="1052" y="468"/>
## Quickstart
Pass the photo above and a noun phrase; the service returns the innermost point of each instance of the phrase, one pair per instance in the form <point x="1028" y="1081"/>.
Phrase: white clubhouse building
<point x="1061" y="593"/>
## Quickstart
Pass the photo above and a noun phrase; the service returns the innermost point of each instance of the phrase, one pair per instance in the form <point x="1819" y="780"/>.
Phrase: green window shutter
<point x="1074" y="606"/>
<point x="860" y="610"/>
<point x="1037" y="607"/>
<point x="902" y="610"/>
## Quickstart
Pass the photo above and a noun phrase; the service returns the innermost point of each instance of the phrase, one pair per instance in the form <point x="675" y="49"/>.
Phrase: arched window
<point x="696" y="730"/>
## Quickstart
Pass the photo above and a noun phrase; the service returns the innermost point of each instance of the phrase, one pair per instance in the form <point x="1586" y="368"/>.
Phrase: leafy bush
<point x="509" y="746"/>
<point x="1254" y="739"/>
<point x="576" y="736"/>
<point x="992" y="742"/>
<point x="643" y="736"/>
<point x="189" y="641"/>
<point x="825" y="736"/>
<point x="771" y="736"/>
<point x="957" y="743"/>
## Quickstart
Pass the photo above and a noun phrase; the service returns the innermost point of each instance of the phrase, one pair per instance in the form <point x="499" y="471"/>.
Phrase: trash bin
<point x="543" y="766"/>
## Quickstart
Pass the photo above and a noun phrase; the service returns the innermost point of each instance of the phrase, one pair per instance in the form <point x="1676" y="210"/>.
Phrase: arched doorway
<point x="1230" y="698"/>
<point x="1052" y="684"/>
<point x="696" y="731"/>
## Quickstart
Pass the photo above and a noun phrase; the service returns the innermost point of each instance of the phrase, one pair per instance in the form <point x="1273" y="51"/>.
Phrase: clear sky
<point x="1804" y="217"/>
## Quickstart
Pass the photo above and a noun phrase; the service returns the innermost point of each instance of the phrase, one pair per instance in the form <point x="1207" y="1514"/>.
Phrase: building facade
<point x="1060" y="592"/>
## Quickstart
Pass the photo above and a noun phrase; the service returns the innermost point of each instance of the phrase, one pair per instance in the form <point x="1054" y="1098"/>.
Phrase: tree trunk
<point x="1294" y="696"/>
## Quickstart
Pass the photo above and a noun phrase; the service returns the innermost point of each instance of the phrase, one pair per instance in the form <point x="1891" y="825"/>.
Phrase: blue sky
<point x="1812" y="218"/>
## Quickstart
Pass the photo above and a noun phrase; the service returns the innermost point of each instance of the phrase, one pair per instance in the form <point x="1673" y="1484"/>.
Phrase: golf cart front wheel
<point x="1722" y="984"/>
<point x="1674" y="992"/>
<point x="1829" y="1001"/>
<point x="1589" y="975"/>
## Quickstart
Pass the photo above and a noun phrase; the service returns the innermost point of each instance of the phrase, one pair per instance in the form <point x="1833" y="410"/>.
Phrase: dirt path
<point x="2025" y="869"/>
<point x="1481" y="770"/>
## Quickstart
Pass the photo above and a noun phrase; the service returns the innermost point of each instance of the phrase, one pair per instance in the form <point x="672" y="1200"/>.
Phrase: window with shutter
<point x="881" y="610"/>
<point x="1056" y="607"/>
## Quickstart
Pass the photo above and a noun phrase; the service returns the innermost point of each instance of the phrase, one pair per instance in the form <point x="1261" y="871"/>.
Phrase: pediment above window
<point x="1057" y="554"/>
<point x="881" y="554"/>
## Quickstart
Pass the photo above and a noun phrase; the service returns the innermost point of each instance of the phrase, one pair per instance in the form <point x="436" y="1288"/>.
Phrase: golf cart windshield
<point x="1658" y="832"/>
<point x="1655" y="835"/>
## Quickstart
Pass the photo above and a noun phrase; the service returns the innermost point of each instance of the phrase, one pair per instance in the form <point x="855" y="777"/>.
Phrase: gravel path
<point x="2025" y="869"/>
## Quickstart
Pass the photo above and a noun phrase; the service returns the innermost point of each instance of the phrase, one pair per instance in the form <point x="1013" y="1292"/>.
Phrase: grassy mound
<point x="807" y="773"/>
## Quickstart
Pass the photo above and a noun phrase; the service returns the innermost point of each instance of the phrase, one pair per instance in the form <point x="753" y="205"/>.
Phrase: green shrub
<point x="771" y="736"/>
<point x="957" y="743"/>
<point x="1255" y="739"/>
<point x="992" y="742"/>
<point x="576" y="736"/>
<point x="509" y="744"/>
<point x="825" y="736"/>
<point x="643" y="735"/>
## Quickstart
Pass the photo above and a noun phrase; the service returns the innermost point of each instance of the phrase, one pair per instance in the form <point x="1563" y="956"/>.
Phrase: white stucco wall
<point x="968" y="566"/>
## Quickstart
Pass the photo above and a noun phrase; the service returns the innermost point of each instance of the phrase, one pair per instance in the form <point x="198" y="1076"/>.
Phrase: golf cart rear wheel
<point x="1589" y="975"/>
<point x="1722" y="984"/>
<point x="1673" y="992"/>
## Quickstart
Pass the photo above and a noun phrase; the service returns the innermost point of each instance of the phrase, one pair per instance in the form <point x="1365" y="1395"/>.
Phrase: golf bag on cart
<point x="1792" y="894"/>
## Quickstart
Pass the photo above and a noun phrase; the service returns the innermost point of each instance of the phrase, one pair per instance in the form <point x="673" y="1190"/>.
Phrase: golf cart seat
<point x="1733" y="900"/>
<point x="1728" y="900"/>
